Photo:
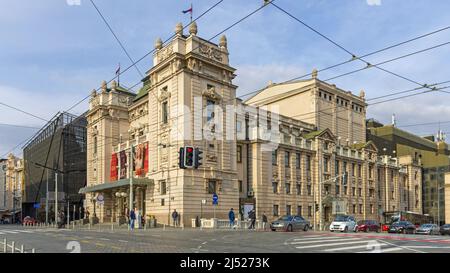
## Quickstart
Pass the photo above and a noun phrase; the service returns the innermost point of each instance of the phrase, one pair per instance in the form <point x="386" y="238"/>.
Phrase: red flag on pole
<point x="190" y="10"/>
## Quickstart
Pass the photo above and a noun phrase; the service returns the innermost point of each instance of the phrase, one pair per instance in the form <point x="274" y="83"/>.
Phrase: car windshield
<point x="341" y="219"/>
<point x="285" y="218"/>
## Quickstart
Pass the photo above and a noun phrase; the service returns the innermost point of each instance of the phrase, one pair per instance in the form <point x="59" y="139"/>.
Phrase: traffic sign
<point x="215" y="199"/>
<point x="100" y="199"/>
<point x="37" y="205"/>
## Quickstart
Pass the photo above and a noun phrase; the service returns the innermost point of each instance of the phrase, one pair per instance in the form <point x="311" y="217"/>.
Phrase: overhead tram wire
<point x="120" y="73"/>
<point x="117" y="38"/>
<point x="23" y="111"/>
<point x="344" y="49"/>
<point x="145" y="55"/>
<point x="354" y="59"/>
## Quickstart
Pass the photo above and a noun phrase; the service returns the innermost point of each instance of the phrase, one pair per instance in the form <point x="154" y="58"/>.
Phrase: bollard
<point x="21" y="249"/>
<point x="164" y="227"/>
<point x="73" y="225"/>
<point x="5" y="245"/>
<point x="13" y="246"/>
<point x="89" y="225"/>
<point x="112" y="226"/>
<point x="33" y="251"/>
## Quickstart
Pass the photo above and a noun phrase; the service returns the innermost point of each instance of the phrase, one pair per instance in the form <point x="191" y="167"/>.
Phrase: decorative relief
<point x="164" y="95"/>
<point x="210" y="52"/>
<point x="211" y="158"/>
<point x="177" y="65"/>
<point x="211" y="93"/>
<point x="192" y="64"/>
<point x="165" y="53"/>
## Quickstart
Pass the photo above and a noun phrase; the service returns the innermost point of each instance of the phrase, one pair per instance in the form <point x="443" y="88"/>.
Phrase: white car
<point x="343" y="223"/>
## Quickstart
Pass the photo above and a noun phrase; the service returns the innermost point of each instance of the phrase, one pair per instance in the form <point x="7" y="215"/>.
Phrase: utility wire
<point x="117" y="38"/>
<point x="23" y="111"/>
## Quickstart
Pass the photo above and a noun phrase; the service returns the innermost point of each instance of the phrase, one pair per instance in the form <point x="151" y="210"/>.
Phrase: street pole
<point x="56" y="197"/>
<point x="130" y="171"/>
<point x="320" y="186"/>
<point x="68" y="211"/>
<point x="46" y="201"/>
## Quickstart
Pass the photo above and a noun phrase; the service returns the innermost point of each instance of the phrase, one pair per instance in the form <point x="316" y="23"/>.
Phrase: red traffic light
<point x="189" y="149"/>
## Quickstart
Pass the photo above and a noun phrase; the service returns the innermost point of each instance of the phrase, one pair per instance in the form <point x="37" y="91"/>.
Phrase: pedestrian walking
<point x="264" y="220"/>
<point x="175" y="217"/>
<point x="87" y="214"/>
<point x="231" y="217"/>
<point x="132" y="219"/>
<point x="138" y="217"/>
<point x="252" y="217"/>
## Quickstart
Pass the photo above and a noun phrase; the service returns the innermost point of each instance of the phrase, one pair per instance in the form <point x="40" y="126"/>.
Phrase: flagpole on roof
<point x="192" y="11"/>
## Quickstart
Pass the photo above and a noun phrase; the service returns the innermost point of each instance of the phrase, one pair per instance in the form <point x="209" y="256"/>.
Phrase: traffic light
<point x="189" y="156"/>
<point x="181" y="158"/>
<point x="197" y="158"/>
<point x="344" y="179"/>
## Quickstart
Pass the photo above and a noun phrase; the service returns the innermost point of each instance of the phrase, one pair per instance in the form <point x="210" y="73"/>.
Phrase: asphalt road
<point x="170" y="240"/>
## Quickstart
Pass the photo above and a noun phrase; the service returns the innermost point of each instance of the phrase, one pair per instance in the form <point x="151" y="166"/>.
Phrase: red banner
<point x="146" y="157"/>
<point x="113" y="172"/>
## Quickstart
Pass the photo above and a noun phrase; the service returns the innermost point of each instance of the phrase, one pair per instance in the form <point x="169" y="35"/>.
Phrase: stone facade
<point x="262" y="153"/>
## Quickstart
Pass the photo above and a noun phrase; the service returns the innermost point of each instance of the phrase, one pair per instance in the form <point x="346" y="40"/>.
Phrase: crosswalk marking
<point x="350" y="247"/>
<point x="392" y="249"/>
<point x="333" y="244"/>
<point x="325" y="241"/>
<point x="315" y="238"/>
<point x="10" y="231"/>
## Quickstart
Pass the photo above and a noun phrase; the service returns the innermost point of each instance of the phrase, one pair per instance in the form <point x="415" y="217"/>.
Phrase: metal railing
<point x="11" y="247"/>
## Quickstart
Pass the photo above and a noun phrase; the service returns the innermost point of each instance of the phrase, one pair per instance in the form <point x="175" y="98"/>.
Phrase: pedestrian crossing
<point x="336" y="244"/>
<point x="26" y="231"/>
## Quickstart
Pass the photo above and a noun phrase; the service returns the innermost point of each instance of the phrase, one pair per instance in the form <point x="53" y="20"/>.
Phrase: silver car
<point x="290" y="223"/>
<point x="429" y="229"/>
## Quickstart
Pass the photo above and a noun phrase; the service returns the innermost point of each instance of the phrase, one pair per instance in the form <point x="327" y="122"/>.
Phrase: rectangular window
<point x="162" y="202"/>
<point x="241" y="186"/>
<point x="165" y="112"/>
<point x="327" y="189"/>
<point x="325" y="164"/>
<point x="309" y="211"/>
<point x="359" y="171"/>
<point x="353" y="191"/>
<point x="299" y="210"/>
<point x="269" y="121"/>
<point x="210" y="109"/>
<point x="337" y="189"/>
<point x="308" y="188"/>
<point x="286" y="159"/>
<point x="211" y="186"/>
<point x="308" y="163"/>
<point x="275" y="210"/>
<point x="336" y="167"/>
<point x="299" y="188"/>
<point x="275" y="187"/>
<point x="345" y="190"/>
<point x="238" y="126"/>
<point x="354" y="209"/>
<point x="370" y="172"/>
<point x="239" y="153"/>
<point x="288" y="188"/>
<point x="274" y="157"/>
<point x="288" y="209"/>
<point x="297" y="160"/>
<point x="359" y="192"/>
<point x="371" y="209"/>
<point x="162" y="187"/>
<point x="360" y="209"/>
<point x="353" y="169"/>
<point x="95" y="146"/>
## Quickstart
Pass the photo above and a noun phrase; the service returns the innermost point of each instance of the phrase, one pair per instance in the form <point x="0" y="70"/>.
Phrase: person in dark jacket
<point x="231" y="217"/>
<point x="264" y="220"/>
<point x="252" y="217"/>
<point x="132" y="218"/>
<point x="175" y="217"/>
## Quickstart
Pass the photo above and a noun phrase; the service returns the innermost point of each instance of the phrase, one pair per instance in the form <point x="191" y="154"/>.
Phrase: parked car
<point x="290" y="223"/>
<point x="429" y="229"/>
<point x="343" y="223"/>
<point x="445" y="230"/>
<point x="368" y="225"/>
<point x="27" y="221"/>
<point x="402" y="227"/>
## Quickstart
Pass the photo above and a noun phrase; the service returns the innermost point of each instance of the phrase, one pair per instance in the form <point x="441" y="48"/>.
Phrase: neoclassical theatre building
<point x="282" y="151"/>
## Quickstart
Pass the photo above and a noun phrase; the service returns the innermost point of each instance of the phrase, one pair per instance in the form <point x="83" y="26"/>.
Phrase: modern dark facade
<point x="56" y="152"/>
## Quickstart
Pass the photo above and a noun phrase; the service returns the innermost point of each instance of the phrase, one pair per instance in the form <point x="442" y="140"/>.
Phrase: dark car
<point x="290" y="223"/>
<point x="445" y="230"/>
<point x="402" y="227"/>
<point x="368" y="225"/>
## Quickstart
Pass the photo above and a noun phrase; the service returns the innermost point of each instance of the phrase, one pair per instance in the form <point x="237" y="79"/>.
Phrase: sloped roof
<point x="277" y="90"/>
<point x="362" y="145"/>
<point x="319" y="133"/>
<point x="141" y="93"/>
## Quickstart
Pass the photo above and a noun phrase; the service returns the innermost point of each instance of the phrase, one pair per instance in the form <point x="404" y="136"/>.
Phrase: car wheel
<point x="306" y="228"/>
<point x="273" y="229"/>
<point x="289" y="228"/>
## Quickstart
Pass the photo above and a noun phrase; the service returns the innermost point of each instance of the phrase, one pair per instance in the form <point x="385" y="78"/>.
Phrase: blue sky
<point x="53" y="54"/>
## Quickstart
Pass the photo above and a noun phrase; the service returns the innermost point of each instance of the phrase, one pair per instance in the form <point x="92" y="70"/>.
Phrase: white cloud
<point x="374" y="2"/>
<point x="253" y="77"/>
